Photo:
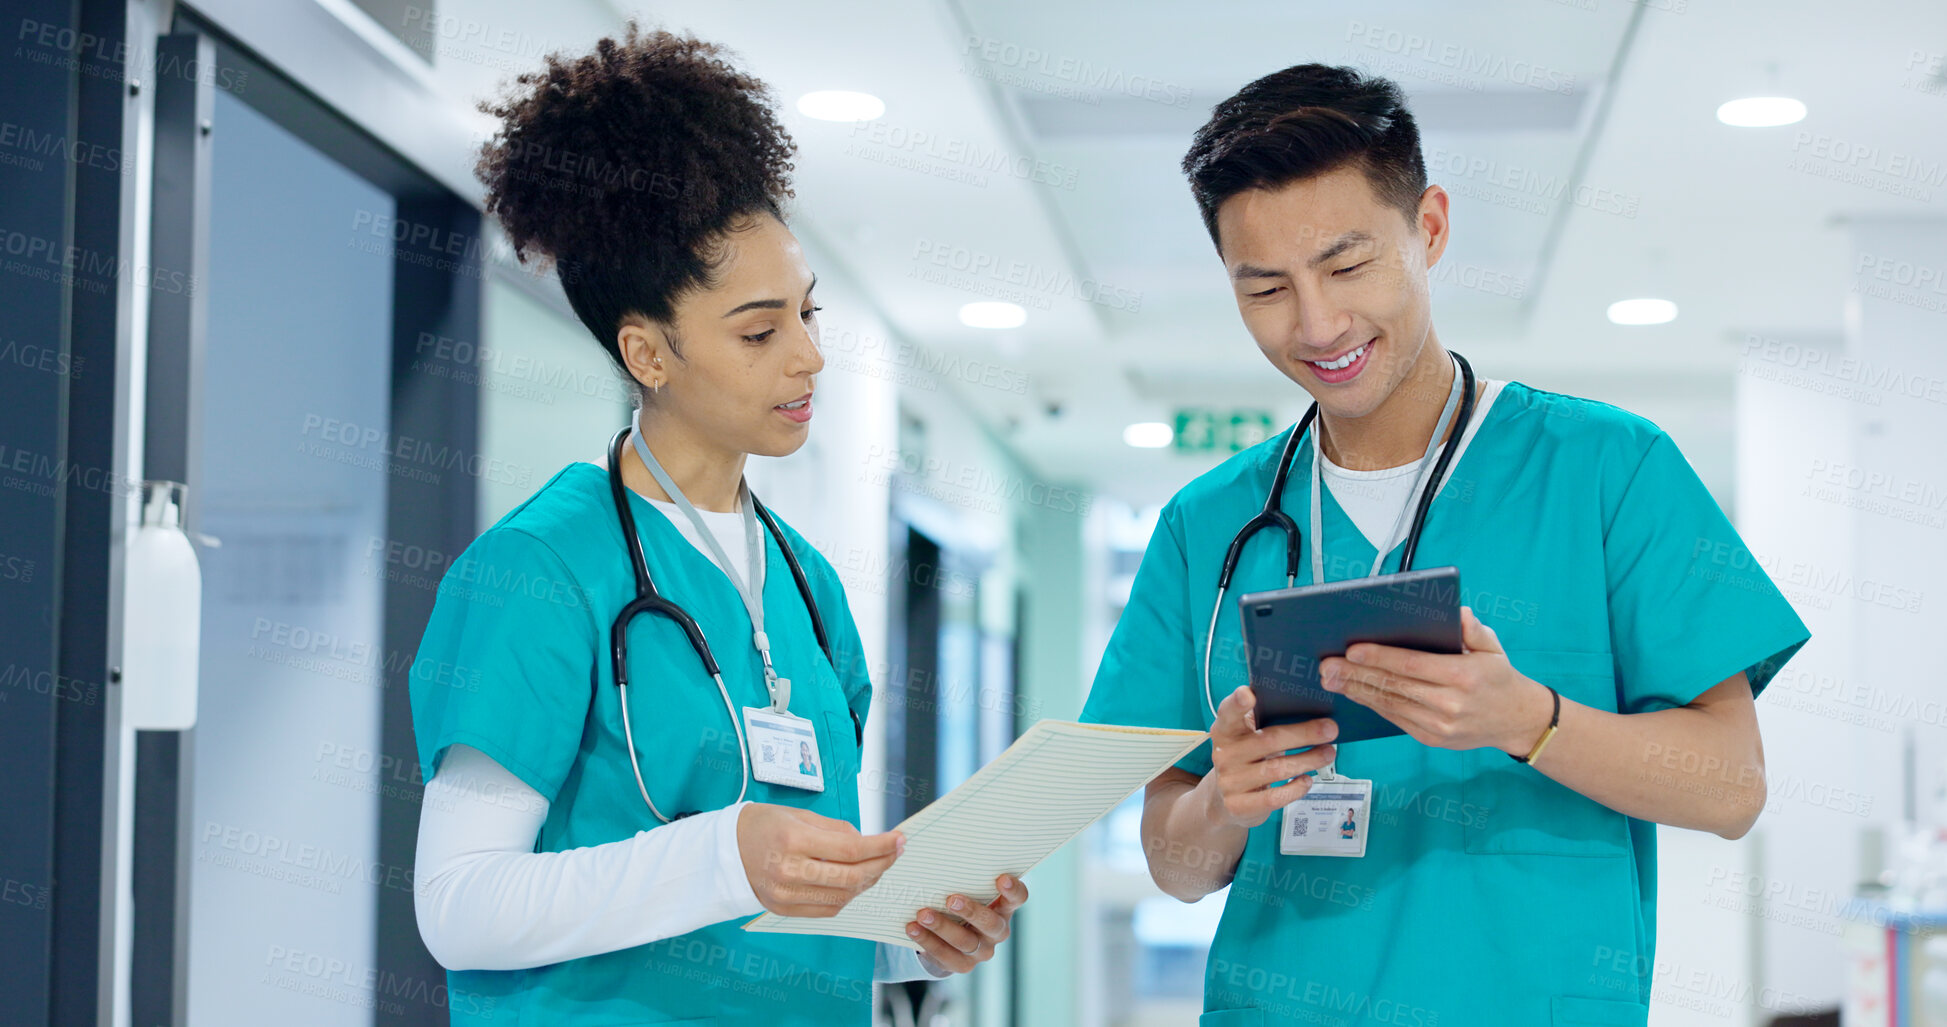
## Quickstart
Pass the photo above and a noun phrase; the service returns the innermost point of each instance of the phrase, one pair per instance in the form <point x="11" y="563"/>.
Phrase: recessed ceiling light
<point x="1149" y="435"/>
<point x="1645" y="311"/>
<point x="993" y="314"/>
<point x="1761" y="112"/>
<point x="840" y="105"/>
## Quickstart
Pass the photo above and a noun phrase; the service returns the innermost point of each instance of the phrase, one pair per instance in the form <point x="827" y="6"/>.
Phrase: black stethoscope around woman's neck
<point x="649" y="600"/>
<point x="1273" y="515"/>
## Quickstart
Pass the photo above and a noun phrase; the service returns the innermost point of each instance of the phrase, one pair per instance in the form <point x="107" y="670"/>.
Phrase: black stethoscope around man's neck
<point x="649" y="600"/>
<point x="1274" y="516"/>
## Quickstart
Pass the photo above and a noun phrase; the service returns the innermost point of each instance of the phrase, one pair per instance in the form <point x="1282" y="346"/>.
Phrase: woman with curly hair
<point x="577" y="864"/>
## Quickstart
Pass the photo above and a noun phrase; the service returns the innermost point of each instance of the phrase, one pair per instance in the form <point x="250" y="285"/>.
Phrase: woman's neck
<point x="708" y="475"/>
<point x="1396" y="432"/>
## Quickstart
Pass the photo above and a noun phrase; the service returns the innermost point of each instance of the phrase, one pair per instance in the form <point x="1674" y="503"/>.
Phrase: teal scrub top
<point x="515" y="662"/>
<point x="1489" y="894"/>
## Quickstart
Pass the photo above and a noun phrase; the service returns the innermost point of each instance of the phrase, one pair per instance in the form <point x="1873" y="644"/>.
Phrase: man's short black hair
<point x="1305" y="121"/>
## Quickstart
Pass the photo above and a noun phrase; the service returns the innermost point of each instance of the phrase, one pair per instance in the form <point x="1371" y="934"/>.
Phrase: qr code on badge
<point x="1301" y="826"/>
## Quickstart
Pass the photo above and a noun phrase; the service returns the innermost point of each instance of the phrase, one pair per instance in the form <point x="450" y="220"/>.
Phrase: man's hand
<point x="1463" y="701"/>
<point x="1247" y="763"/>
<point x="964" y="935"/>
<point x="803" y="864"/>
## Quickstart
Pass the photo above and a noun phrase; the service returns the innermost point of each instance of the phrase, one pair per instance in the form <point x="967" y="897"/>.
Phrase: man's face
<point x="1332" y="283"/>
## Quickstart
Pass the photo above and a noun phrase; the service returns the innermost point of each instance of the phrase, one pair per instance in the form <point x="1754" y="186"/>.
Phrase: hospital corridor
<point x="973" y="513"/>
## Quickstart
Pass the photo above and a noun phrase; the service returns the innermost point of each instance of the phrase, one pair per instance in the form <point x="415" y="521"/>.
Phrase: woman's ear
<point x="646" y="351"/>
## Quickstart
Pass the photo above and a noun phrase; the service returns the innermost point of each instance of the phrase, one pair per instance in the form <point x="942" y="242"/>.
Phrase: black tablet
<point x="1288" y="632"/>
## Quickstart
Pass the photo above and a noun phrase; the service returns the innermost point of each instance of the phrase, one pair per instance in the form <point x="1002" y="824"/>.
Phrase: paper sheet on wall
<point x="1049" y="786"/>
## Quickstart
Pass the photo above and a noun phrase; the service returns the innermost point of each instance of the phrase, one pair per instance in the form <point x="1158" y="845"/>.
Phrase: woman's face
<point x="741" y="372"/>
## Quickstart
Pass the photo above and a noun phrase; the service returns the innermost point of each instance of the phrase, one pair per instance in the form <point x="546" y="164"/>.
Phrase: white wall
<point x="1842" y="487"/>
<point x="1896" y="487"/>
<point x="549" y="395"/>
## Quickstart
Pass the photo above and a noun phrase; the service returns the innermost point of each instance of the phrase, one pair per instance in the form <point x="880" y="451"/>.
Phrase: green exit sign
<point x="1205" y="429"/>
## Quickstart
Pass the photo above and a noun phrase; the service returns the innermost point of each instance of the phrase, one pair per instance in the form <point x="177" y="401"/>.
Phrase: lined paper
<point x="1048" y="787"/>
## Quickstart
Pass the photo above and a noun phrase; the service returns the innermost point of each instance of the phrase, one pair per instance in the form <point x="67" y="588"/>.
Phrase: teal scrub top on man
<point x="515" y="662"/>
<point x="1488" y="894"/>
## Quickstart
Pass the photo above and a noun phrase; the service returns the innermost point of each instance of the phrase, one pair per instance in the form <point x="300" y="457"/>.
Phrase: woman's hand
<point x="803" y="864"/>
<point x="964" y="935"/>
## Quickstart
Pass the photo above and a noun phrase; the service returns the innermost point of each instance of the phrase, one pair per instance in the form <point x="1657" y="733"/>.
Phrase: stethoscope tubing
<point x="649" y="600"/>
<point x="1273" y="515"/>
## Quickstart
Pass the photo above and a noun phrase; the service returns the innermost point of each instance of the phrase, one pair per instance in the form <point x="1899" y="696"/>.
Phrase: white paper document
<point x="1048" y="786"/>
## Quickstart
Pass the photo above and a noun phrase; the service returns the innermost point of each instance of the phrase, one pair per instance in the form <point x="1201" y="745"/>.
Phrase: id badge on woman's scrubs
<point x="783" y="749"/>
<point x="1330" y="820"/>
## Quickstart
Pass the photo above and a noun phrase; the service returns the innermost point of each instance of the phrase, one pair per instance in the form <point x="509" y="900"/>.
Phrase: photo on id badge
<point x="783" y="749"/>
<point x="1329" y="820"/>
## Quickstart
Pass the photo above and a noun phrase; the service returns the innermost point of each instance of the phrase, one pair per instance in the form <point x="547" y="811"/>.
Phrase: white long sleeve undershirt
<point x="485" y="900"/>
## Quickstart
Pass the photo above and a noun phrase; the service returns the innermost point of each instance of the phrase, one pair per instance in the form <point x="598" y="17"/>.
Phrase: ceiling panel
<point x="1030" y="151"/>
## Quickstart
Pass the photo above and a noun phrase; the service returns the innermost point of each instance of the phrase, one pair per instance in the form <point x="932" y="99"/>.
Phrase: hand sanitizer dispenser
<point x="162" y="616"/>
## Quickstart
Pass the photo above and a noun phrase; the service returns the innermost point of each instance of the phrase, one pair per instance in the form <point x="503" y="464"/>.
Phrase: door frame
<point x="438" y="515"/>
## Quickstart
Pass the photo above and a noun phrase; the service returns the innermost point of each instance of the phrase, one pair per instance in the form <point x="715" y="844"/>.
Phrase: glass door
<point x="333" y="474"/>
<point x="294" y="466"/>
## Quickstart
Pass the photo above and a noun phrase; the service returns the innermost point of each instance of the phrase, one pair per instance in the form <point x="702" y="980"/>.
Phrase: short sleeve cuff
<point x="544" y="784"/>
<point x="1759" y="673"/>
<point x="895" y="963"/>
<point x="1690" y="606"/>
<point x="1196" y="761"/>
<point x="507" y="662"/>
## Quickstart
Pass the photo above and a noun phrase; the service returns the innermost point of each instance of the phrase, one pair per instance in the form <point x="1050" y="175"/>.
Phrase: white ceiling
<point x="942" y="200"/>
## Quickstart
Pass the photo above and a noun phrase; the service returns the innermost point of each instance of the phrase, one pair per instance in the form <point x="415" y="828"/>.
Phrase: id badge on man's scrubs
<point x="783" y="749"/>
<point x="1330" y="820"/>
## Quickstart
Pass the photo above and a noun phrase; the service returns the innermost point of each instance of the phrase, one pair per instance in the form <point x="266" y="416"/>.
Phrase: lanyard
<point x="1393" y="537"/>
<point x="752" y="592"/>
<point x="1329" y="772"/>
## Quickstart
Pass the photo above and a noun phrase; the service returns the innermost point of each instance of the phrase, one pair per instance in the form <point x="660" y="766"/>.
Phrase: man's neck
<point x="1396" y="432"/>
<point x="707" y="475"/>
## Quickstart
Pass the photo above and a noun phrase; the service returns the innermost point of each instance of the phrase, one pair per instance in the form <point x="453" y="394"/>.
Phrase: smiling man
<point x="1616" y="628"/>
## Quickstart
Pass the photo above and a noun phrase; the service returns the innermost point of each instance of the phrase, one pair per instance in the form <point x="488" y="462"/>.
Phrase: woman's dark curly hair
<point x="626" y="167"/>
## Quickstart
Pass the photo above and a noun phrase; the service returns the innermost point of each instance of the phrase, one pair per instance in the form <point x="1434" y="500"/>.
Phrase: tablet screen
<point x="1288" y="632"/>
